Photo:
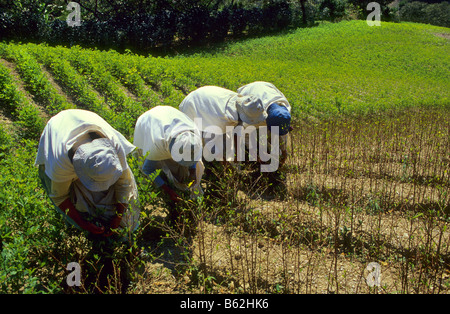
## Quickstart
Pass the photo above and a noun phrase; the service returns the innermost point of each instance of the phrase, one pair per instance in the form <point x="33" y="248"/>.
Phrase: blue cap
<point x="279" y="115"/>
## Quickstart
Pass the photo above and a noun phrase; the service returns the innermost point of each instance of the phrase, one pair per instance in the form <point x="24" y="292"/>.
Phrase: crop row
<point x="101" y="79"/>
<point x="79" y="87"/>
<point x="124" y="71"/>
<point x="27" y="116"/>
<point x="35" y="79"/>
<point x="98" y="81"/>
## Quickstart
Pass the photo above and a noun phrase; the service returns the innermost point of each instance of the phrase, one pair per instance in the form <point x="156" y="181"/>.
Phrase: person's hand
<point x="96" y="229"/>
<point x="173" y="196"/>
<point x="115" y="221"/>
<point x="73" y="213"/>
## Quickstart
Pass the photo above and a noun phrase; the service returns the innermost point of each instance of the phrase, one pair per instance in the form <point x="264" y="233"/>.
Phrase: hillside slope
<point x="347" y="67"/>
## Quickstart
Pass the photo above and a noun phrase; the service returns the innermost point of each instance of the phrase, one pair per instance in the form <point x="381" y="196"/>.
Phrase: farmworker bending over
<point x="277" y="107"/>
<point x="171" y="142"/>
<point x="82" y="164"/>
<point x="215" y="110"/>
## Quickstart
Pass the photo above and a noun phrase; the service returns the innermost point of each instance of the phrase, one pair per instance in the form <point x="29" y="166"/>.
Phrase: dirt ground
<point x="349" y="214"/>
<point x="294" y="246"/>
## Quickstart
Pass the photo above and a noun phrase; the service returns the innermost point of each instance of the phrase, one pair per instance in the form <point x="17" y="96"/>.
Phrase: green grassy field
<point x="367" y="179"/>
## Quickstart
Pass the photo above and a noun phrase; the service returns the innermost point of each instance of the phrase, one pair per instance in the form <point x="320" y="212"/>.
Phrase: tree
<point x="362" y="6"/>
<point x="303" y="8"/>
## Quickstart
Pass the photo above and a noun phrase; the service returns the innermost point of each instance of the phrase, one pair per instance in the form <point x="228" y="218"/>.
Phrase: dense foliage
<point x="429" y="12"/>
<point x="145" y="25"/>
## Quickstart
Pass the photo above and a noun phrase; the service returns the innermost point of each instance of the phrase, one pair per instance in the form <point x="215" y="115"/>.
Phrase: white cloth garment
<point x="156" y="128"/>
<point x="216" y="111"/>
<point x="154" y="131"/>
<point x="102" y="204"/>
<point x="268" y="94"/>
<point x="219" y="107"/>
<point x="64" y="131"/>
<point x="215" y="106"/>
<point x="69" y="129"/>
<point x="97" y="164"/>
<point x="265" y="91"/>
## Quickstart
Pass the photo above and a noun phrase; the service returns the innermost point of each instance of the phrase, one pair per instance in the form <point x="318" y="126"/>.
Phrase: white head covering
<point x="66" y="129"/>
<point x="157" y="128"/>
<point x="250" y="109"/>
<point x="97" y="164"/>
<point x="267" y="92"/>
<point x="186" y="148"/>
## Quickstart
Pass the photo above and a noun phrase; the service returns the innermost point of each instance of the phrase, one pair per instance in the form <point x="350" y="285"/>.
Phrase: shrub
<point x="220" y="24"/>
<point x="194" y="24"/>
<point x="333" y="9"/>
<point x="25" y="114"/>
<point x="24" y="224"/>
<point x="276" y="16"/>
<point x="35" y="80"/>
<point x="5" y="139"/>
<point x="238" y="21"/>
<point x="141" y="29"/>
<point x="421" y="12"/>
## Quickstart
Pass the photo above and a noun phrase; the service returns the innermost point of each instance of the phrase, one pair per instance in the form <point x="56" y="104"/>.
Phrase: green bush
<point x="422" y="12"/>
<point x="142" y="26"/>
<point x="35" y="79"/>
<point x="27" y="116"/>
<point x="26" y="223"/>
<point x="333" y="9"/>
